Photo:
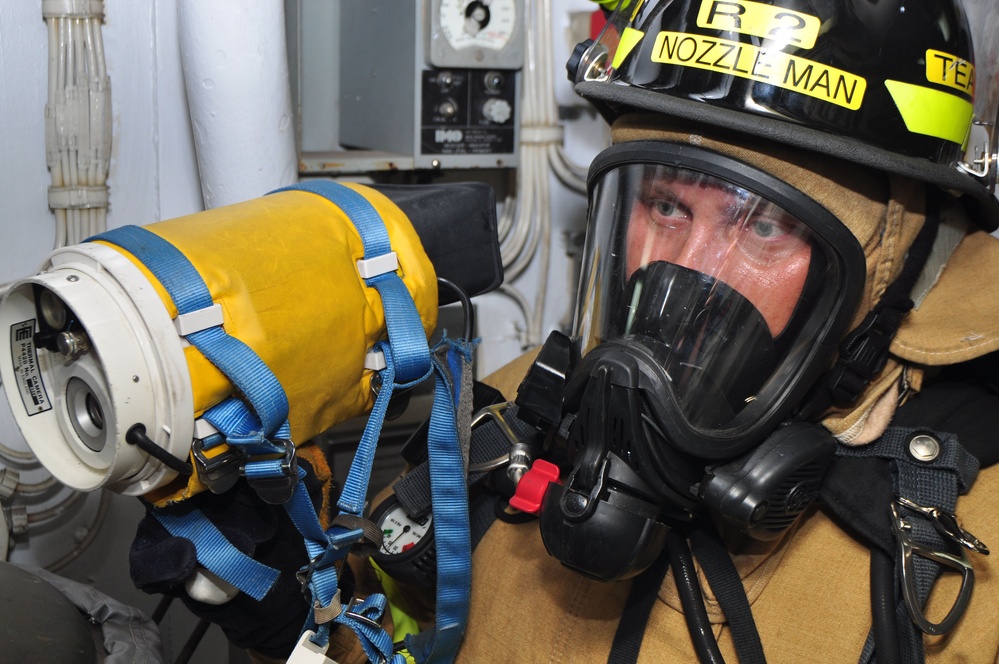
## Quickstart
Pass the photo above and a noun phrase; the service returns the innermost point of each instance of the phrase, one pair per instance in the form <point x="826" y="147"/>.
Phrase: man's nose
<point x="703" y="247"/>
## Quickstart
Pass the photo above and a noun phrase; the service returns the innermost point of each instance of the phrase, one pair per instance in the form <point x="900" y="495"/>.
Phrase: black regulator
<point x="624" y="483"/>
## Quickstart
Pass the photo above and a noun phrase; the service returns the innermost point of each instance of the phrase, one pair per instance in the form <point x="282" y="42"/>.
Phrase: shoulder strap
<point x="898" y="496"/>
<point x="964" y="404"/>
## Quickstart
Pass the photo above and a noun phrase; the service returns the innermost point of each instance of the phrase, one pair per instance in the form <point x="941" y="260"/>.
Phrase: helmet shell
<point x="886" y="83"/>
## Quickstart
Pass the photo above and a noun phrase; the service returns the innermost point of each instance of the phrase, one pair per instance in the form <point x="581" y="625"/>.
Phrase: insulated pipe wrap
<point x="235" y="66"/>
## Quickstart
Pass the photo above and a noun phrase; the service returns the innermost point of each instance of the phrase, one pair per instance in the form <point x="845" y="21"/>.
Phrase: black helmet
<point x="885" y="83"/>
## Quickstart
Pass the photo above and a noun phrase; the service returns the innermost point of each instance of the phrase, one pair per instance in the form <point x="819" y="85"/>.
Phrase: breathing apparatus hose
<point x="883" y="605"/>
<point x="689" y="590"/>
<point x="642" y="598"/>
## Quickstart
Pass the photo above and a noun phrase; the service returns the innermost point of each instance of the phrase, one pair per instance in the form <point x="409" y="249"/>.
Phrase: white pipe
<point x="236" y="74"/>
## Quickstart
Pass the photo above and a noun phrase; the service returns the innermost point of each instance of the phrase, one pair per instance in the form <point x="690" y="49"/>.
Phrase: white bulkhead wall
<point x="154" y="175"/>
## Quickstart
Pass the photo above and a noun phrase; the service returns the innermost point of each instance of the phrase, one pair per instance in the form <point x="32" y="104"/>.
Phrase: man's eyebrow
<point x="669" y="175"/>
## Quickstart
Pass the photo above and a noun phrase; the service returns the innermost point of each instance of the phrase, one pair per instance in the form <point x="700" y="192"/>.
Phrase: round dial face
<point x="485" y="24"/>
<point x="400" y="533"/>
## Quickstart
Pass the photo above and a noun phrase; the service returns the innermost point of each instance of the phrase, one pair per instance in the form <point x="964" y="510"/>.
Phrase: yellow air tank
<point x="95" y="341"/>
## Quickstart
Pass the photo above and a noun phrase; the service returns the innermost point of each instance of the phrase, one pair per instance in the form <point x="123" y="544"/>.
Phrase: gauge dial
<point x="400" y="533"/>
<point x="408" y="552"/>
<point x="485" y="24"/>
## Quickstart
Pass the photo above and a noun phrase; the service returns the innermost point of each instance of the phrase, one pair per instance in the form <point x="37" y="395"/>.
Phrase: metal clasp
<point x="360" y="617"/>
<point x="276" y="489"/>
<point x="946" y="524"/>
<point x="518" y="459"/>
<point x="980" y="158"/>
<point x="219" y="472"/>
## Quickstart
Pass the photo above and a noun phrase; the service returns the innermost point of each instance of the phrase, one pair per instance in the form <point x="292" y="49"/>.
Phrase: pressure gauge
<point x="407" y="553"/>
<point x="477" y="33"/>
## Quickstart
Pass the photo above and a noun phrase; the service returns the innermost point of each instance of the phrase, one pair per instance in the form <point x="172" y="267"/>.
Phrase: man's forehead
<point x="658" y="178"/>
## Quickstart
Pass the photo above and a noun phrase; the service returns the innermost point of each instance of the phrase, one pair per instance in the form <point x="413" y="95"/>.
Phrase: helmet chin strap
<point x="864" y="351"/>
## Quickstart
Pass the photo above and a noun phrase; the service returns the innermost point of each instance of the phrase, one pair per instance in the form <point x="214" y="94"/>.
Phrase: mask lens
<point x="707" y="225"/>
<point x="712" y="343"/>
<point x="733" y="281"/>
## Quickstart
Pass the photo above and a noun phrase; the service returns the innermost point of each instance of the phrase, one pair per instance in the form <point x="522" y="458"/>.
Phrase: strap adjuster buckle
<point x="360" y="617"/>
<point x="518" y="459"/>
<point x="946" y="524"/>
<point x="317" y="563"/>
<point x="220" y="472"/>
<point x="276" y="489"/>
<point x="863" y="354"/>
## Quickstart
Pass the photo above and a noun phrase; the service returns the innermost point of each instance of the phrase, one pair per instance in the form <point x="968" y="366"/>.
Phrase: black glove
<point x="160" y="563"/>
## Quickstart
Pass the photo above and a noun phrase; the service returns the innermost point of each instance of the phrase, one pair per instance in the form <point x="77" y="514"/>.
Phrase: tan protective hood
<point x="957" y="320"/>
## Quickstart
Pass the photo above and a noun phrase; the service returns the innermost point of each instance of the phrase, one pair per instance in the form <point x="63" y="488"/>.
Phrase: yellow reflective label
<point x="629" y="37"/>
<point x="932" y="112"/>
<point x="755" y="18"/>
<point x="760" y="64"/>
<point x="950" y="70"/>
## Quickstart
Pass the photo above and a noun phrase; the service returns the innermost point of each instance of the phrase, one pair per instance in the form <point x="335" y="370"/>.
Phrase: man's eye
<point x="768" y="228"/>
<point x="667" y="209"/>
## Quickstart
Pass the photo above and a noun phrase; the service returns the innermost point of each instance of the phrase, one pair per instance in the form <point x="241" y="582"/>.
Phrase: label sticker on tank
<point x="27" y="374"/>
<point x="755" y="18"/>
<point x="950" y="70"/>
<point x="774" y="67"/>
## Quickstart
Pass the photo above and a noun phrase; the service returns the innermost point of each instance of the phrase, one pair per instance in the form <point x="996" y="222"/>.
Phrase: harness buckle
<point x="946" y="524"/>
<point x="276" y="489"/>
<point x="304" y="577"/>
<point x="862" y="355"/>
<point x="318" y="563"/>
<point x="360" y="616"/>
<point x="219" y="472"/>
<point x="518" y="459"/>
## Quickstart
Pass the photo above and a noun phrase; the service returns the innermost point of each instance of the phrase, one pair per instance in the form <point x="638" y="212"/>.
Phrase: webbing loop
<point x="405" y="329"/>
<point x="185" y="286"/>
<point x="218" y="555"/>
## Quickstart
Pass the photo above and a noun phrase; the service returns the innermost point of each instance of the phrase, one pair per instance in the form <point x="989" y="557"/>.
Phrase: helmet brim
<point x="615" y="98"/>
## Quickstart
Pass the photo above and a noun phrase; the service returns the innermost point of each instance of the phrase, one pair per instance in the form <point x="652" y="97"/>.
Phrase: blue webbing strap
<point x="327" y="548"/>
<point x="408" y="362"/>
<point x="402" y="320"/>
<point x="449" y="497"/>
<point x="407" y="357"/>
<point x="218" y="555"/>
<point x="244" y="368"/>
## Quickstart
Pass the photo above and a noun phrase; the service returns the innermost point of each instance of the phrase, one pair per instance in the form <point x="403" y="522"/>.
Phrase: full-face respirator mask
<point x="714" y="293"/>
<point x="712" y="297"/>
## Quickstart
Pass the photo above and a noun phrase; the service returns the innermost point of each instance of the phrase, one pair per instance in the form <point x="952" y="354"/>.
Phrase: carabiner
<point x="908" y="548"/>
<point x="947" y="525"/>
<point x="518" y="459"/>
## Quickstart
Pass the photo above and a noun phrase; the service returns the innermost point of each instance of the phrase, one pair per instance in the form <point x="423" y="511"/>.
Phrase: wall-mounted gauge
<point x="477" y="33"/>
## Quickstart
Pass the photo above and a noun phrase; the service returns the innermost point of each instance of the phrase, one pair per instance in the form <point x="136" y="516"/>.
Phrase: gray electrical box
<point x="436" y="81"/>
